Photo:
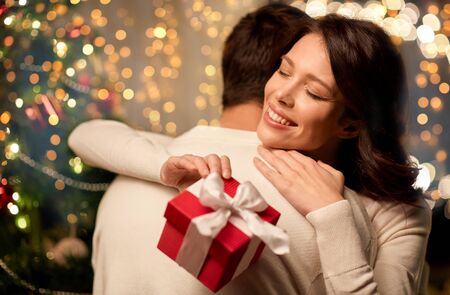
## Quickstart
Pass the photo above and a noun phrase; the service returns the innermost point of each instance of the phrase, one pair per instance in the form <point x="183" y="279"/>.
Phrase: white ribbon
<point x="239" y="210"/>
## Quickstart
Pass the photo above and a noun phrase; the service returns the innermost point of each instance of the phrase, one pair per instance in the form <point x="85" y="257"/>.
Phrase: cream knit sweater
<point x="356" y="246"/>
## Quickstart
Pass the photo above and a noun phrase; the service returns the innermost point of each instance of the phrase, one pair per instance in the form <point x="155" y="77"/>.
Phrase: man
<point x="130" y="217"/>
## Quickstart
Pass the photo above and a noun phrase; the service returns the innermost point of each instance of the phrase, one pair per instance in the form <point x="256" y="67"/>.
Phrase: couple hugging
<point x="325" y="97"/>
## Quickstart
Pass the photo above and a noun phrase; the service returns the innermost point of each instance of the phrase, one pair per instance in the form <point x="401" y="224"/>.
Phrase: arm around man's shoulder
<point x="116" y="147"/>
<point x="402" y="233"/>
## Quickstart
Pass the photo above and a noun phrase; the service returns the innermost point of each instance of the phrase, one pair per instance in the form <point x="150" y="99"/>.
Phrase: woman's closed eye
<point x="314" y="96"/>
<point x="283" y="72"/>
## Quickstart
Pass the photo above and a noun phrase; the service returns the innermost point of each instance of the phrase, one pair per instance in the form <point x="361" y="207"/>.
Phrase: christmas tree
<point x="51" y="65"/>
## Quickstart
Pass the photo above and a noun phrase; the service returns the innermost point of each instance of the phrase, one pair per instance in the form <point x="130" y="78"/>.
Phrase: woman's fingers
<point x="301" y="164"/>
<point x="327" y="167"/>
<point x="305" y="161"/>
<point x="297" y="164"/>
<point x="273" y="176"/>
<point x="191" y="163"/>
<point x="181" y="168"/>
<point x="338" y="175"/>
<point x="226" y="167"/>
<point x="182" y="171"/>
<point x="175" y="169"/>
<point x="183" y="163"/>
<point x="201" y="165"/>
<point x="218" y="164"/>
<point x="209" y="164"/>
<point x="277" y="161"/>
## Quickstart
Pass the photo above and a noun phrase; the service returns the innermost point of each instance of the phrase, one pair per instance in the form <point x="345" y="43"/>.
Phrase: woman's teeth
<point x="277" y="118"/>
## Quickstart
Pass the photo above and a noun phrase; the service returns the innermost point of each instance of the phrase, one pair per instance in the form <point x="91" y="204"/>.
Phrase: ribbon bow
<point x="240" y="211"/>
<point x="245" y="203"/>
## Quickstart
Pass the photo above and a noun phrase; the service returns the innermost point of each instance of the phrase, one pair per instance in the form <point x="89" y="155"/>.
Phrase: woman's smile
<point x="277" y="119"/>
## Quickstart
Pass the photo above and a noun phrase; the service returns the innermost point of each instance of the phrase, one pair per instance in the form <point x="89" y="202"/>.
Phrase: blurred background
<point x="155" y="65"/>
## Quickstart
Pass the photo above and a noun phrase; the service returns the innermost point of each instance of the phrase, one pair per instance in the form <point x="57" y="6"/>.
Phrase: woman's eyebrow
<point x="288" y="60"/>
<point x="321" y="82"/>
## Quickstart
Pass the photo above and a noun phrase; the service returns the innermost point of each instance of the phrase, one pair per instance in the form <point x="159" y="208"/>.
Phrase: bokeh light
<point x="158" y="69"/>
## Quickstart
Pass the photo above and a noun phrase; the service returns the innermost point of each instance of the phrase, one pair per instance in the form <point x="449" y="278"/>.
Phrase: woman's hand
<point x="308" y="185"/>
<point x="182" y="171"/>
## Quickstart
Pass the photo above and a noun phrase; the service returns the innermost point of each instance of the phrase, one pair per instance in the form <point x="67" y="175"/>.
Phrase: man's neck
<point x="244" y="116"/>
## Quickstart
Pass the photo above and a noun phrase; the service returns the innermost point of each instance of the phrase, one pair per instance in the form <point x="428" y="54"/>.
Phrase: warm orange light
<point x="422" y="119"/>
<point x="423" y="102"/>
<point x="441" y="155"/>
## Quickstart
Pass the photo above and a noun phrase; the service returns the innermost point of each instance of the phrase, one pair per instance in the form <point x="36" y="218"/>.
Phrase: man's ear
<point x="349" y="128"/>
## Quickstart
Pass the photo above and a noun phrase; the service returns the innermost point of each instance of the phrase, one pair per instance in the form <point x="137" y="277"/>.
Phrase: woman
<point x="333" y="114"/>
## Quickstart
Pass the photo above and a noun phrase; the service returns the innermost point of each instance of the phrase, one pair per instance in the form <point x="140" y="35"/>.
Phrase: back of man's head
<point x="253" y="49"/>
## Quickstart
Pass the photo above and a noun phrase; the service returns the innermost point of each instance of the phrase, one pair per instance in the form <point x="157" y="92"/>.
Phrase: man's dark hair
<point x="253" y="49"/>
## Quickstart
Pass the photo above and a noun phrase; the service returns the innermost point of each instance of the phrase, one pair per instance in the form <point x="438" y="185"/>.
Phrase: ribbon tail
<point x="275" y="238"/>
<point x="198" y="239"/>
<point x="194" y="250"/>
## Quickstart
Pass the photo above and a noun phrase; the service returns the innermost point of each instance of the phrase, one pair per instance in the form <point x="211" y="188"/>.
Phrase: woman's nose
<point x="285" y="99"/>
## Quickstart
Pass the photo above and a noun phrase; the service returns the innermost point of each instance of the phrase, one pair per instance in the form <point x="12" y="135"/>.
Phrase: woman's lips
<point x="276" y="119"/>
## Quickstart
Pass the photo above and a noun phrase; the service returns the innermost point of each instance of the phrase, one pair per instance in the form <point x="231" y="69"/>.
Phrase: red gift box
<point x="230" y="252"/>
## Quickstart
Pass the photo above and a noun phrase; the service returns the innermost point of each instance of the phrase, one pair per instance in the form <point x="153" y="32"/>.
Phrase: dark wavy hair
<point x="253" y="50"/>
<point x="369" y="73"/>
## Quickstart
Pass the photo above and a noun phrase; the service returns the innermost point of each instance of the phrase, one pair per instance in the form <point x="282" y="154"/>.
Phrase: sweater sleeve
<point x="401" y="242"/>
<point x="118" y="148"/>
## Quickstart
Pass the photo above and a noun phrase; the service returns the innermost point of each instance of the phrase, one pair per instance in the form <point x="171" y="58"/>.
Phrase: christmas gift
<point x="216" y="228"/>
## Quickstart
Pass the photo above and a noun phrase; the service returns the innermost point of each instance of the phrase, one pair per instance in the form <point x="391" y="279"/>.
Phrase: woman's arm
<point x="402" y="233"/>
<point x="120" y="149"/>
<point x="402" y="230"/>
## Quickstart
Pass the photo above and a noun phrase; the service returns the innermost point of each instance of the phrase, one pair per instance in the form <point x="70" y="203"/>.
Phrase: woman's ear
<point x="349" y="128"/>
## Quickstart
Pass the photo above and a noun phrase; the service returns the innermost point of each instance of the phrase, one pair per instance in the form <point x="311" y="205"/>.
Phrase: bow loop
<point x="211" y="224"/>
<point x="248" y="197"/>
<point x="245" y="203"/>
<point x="211" y="193"/>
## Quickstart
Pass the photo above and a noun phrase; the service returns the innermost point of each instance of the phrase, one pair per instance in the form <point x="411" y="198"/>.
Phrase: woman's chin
<point x="270" y="141"/>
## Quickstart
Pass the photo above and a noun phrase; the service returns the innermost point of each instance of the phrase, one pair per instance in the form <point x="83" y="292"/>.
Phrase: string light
<point x="29" y="286"/>
<point x="93" y="187"/>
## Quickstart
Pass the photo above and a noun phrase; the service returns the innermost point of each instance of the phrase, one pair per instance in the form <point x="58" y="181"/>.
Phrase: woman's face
<point x="302" y="104"/>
